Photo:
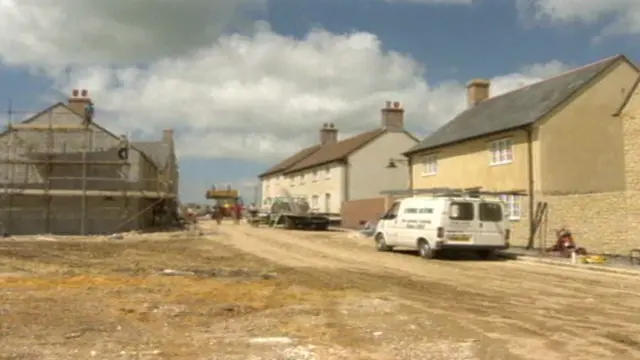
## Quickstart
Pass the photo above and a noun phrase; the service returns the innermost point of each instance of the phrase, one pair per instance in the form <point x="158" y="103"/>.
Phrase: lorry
<point x="293" y="212"/>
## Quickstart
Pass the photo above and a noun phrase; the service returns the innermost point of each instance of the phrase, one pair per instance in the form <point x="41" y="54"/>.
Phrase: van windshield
<point x="490" y="212"/>
<point x="461" y="211"/>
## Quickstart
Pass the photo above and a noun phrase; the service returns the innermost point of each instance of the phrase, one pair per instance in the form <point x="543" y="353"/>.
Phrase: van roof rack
<point x="452" y="192"/>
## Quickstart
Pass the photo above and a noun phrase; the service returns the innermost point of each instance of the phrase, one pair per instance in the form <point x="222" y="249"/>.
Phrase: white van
<point x="429" y="224"/>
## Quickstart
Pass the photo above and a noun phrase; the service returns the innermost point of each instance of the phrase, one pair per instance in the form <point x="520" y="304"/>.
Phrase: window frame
<point x="501" y="151"/>
<point x="315" y="176"/>
<point x="429" y="165"/>
<point x="327" y="173"/>
<point x="513" y="206"/>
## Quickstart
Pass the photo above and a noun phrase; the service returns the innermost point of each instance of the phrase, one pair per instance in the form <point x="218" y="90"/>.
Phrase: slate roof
<point x="515" y="109"/>
<point x="290" y="161"/>
<point x="158" y="152"/>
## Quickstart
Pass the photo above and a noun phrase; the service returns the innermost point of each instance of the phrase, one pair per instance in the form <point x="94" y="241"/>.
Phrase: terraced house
<point x="571" y="141"/>
<point x="334" y="170"/>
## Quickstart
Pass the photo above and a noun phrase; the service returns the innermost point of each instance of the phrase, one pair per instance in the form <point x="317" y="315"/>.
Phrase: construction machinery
<point x="226" y="199"/>
<point x="293" y="212"/>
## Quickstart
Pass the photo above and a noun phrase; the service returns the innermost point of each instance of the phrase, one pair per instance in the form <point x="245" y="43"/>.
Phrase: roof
<point x="158" y="152"/>
<point x="336" y="151"/>
<point x="515" y="109"/>
<point x="37" y="115"/>
<point x="290" y="161"/>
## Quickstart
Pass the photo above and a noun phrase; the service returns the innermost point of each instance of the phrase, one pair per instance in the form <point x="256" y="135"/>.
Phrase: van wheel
<point x="485" y="254"/>
<point x="381" y="243"/>
<point x="426" y="252"/>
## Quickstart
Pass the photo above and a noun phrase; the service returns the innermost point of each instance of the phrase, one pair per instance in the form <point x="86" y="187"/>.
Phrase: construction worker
<point x="123" y="148"/>
<point x="88" y="113"/>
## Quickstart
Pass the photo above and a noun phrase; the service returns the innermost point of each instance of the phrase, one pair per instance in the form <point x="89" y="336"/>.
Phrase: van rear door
<point x="462" y="228"/>
<point x="491" y="224"/>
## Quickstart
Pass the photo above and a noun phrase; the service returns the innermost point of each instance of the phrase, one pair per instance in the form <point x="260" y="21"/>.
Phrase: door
<point x="327" y="203"/>
<point x="463" y="225"/>
<point x="491" y="224"/>
<point x="390" y="225"/>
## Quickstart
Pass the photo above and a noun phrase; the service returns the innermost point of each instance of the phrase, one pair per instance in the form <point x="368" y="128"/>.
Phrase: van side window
<point x="410" y="211"/>
<point x="426" y="211"/>
<point x="490" y="212"/>
<point x="461" y="211"/>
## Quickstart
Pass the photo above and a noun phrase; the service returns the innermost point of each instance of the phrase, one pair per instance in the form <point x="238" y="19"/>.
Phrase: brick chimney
<point x="393" y="116"/>
<point x="477" y="91"/>
<point x="167" y="136"/>
<point x="78" y="101"/>
<point x="328" y="134"/>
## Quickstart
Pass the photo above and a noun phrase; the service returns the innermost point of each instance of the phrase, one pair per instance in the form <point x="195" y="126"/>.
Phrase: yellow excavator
<point x="226" y="199"/>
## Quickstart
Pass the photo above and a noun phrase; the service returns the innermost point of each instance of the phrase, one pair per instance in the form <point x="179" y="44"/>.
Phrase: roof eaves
<point x="440" y="146"/>
<point x="292" y="170"/>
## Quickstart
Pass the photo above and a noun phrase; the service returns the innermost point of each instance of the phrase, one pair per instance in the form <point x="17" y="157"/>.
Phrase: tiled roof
<point x="336" y="151"/>
<point x="290" y="161"/>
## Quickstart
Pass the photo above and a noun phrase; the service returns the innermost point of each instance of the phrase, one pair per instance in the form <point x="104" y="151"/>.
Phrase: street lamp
<point x="393" y="163"/>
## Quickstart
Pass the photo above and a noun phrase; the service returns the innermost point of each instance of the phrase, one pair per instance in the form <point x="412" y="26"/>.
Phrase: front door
<point x="327" y="203"/>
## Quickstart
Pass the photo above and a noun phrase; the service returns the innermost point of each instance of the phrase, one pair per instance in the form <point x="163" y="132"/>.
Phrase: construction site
<point x="62" y="173"/>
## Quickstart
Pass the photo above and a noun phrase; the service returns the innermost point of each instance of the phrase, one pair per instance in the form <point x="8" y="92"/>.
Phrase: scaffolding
<point x="56" y="159"/>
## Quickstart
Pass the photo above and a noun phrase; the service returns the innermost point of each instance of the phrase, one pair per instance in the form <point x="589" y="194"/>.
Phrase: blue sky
<point x="439" y="47"/>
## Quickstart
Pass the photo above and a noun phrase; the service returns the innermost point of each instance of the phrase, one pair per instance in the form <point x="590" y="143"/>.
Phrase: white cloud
<point x="64" y="32"/>
<point x="619" y="16"/>
<point x="260" y="95"/>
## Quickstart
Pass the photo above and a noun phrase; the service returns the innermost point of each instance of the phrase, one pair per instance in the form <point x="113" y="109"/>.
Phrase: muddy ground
<point x="245" y="293"/>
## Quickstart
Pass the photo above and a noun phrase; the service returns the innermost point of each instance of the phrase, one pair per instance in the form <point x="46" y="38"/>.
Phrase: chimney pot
<point x="328" y="134"/>
<point x="393" y="117"/>
<point x="75" y="92"/>
<point x="478" y="90"/>
<point x="84" y="93"/>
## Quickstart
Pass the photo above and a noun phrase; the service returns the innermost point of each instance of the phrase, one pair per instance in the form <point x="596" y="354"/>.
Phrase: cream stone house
<point x="570" y="141"/>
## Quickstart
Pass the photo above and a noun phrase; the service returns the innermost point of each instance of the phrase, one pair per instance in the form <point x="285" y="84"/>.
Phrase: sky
<point x="245" y="83"/>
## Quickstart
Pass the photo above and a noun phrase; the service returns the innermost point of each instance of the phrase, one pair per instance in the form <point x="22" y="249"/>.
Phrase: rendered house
<point x="335" y="170"/>
<point x="559" y="140"/>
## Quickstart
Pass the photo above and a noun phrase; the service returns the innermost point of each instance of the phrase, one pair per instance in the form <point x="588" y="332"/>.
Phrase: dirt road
<point x="503" y="310"/>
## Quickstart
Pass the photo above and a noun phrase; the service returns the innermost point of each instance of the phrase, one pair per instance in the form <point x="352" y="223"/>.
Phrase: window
<point x="512" y="204"/>
<point x="430" y="165"/>
<point x="491" y="212"/>
<point x="315" y="175"/>
<point x="301" y="179"/>
<point x="327" y="173"/>
<point x="461" y="211"/>
<point x="501" y="152"/>
<point x="315" y="199"/>
<point x="393" y="211"/>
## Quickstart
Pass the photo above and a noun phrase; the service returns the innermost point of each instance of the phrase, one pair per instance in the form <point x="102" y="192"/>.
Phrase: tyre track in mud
<point x="506" y="300"/>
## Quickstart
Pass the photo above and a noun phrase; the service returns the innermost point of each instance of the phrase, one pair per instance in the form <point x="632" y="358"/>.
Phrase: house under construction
<point x="60" y="176"/>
